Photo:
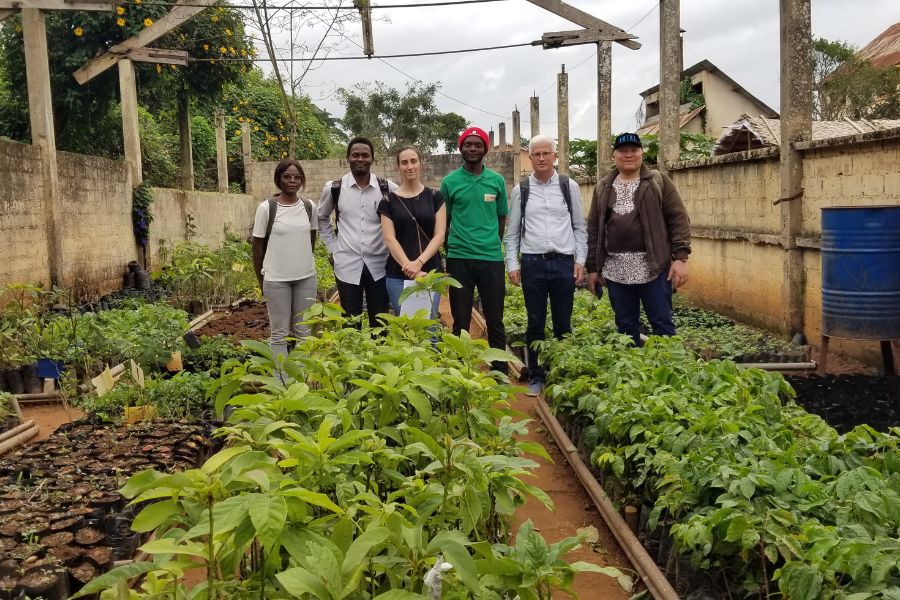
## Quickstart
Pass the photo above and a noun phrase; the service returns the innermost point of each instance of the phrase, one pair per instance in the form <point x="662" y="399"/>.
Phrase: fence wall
<point x="95" y="219"/>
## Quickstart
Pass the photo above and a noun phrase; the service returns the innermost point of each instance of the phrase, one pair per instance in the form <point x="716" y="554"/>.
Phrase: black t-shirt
<point x="412" y="239"/>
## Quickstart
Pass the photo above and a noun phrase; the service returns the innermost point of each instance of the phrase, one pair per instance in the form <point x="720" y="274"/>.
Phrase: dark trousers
<point x="656" y="296"/>
<point x="351" y="296"/>
<point x="543" y="278"/>
<point x="488" y="277"/>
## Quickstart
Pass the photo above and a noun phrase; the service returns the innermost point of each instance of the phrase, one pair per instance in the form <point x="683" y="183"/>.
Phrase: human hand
<point x="579" y="273"/>
<point x="595" y="282"/>
<point x="515" y="277"/>
<point x="412" y="268"/>
<point x="678" y="273"/>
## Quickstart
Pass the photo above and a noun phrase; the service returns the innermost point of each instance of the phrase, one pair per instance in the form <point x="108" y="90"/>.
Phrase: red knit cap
<point x="477" y="132"/>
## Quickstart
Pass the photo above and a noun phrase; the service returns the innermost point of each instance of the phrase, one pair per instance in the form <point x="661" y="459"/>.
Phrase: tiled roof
<point x="685" y="118"/>
<point x="750" y="133"/>
<point x="884" y="50"/>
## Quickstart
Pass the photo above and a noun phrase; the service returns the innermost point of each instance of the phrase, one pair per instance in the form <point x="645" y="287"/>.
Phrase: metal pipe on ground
<point x="18" y="440"/>
<point x="649" y="572"/>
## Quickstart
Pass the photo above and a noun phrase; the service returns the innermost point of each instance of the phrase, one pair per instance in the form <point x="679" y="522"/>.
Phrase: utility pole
<point x="516" y="144"/>
<point x="562" y="108"/>
<point x="669" y="82"/>
<point x="221" y="152"/>
<point x="535" y="116"/>
<point x="796" y="126"/>
<point x="604" y="107"/>
<point x="502" y="147"/>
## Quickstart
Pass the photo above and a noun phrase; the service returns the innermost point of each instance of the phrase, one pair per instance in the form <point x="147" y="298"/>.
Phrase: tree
<point x="391" y="118"/>
<point x="845" y="86"/>
<point x="583" y="153"/>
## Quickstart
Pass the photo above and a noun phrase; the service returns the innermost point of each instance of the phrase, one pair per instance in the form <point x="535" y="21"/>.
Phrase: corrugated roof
<point x="685" y="118"/>
<point x="884" y="50"/>
<point x="750" y="133"/>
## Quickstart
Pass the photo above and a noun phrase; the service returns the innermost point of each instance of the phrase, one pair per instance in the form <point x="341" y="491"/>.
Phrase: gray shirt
<point x="548" y="225"/>
<point x="359" y="240"/>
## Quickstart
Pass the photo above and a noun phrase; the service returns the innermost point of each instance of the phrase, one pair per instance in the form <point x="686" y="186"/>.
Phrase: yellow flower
<point x="174" y="67"/>
<point x="212" y="61"/>
<point x="237" y="132"/>
<point x="227" y="32"/>
<point x="233" y="51"/>
<point x="137" y="1"/>
<point x="206" y="46"/>
<point x="243" y="69"/>
<point x="78" y="32"/>
<point x="241" y="119"/>
<point x="256" y="128"/>
<point x="222" y="49"/>
<point x="158" y="69"/>
<point x="120" y="10"/>
<point x="234" y="109"/>
<point x="148" y="22"/>
<point x="243" y="52"/>
<point x="120" y="22"/>
<point x="214" y="19"/>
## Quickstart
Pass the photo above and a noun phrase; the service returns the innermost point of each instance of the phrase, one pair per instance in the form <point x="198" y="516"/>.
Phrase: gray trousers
<point x="286" y="303"/>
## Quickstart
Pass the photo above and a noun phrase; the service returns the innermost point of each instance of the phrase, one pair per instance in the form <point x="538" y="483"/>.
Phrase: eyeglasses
<point x="542" y="155"/>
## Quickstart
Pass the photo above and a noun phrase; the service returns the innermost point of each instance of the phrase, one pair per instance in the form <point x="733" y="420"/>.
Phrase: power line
<point x="435" y="53"/>
<point x="291" y="7"/>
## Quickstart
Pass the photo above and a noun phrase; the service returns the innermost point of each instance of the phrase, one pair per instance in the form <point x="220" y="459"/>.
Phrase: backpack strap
<point x="383" y="186"/>
<point x="335" y="194"/>
<point x="524" y="188"/>
<point x="567" y="196"/>
<point x="273" y="209"/>
<point x="309" y="210"/>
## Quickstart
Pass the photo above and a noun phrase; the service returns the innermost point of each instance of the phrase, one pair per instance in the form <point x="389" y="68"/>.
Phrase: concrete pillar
<point x="246" y="155"/>
<point x="187" y="148"/>
<point x="535" y="116"/>
<point x="221" y="152"/>
<point x="503" y="137"/>
<point x="130" y="132"/>
<point x="796" y="125"/>
<point x="40" y="111"/>
<point x="516" y="144"/>
<point x="491" y="140"/>
<point x="604" y="108"/>
<point x="669" y="82"/>
<point x="562" y="104"/>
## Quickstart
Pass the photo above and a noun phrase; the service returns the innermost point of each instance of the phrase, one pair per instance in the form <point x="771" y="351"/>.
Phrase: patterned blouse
<point x="630" y="268"/>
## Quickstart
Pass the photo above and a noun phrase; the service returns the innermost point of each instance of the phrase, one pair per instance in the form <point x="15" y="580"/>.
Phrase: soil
<point x="247" y="322"/>
<point x="50" y="416"/>
<point x="845" y="401"/>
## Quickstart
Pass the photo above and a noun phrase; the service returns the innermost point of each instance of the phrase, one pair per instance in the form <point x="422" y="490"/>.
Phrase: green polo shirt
<point x="474" y="204"/>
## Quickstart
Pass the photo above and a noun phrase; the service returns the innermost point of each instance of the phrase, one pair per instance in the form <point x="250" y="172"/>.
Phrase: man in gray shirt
<point x="546" y="226"/>
<point x="354" y="240"/>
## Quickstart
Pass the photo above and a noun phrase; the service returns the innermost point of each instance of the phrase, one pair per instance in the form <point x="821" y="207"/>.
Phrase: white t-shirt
<point x="289" y="256"/>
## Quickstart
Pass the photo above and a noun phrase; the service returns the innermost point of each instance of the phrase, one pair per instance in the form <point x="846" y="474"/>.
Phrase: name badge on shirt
<point x="490" y="197"/>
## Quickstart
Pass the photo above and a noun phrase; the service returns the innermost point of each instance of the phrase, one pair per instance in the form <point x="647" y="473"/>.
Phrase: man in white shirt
<point x="547" y="227"/>
<point x="354" y="240"/>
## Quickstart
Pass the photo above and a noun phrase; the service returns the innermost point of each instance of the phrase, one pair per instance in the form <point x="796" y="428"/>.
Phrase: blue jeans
<point x="395" y="288"/>
<point x="543" y="278"/>
<point x="656" y="296"/>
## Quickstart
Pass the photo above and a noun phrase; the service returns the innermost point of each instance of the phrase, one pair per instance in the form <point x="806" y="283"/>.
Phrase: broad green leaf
<point x="314" y="498"/>
<point x="111" y="578"/>
<point x="139" y="482"/>
<point x="268" y="516"/>
<point x="217" y="460"/>
<point x="170" y="546"/>
<point x="400" y="595"/>
<point x="299" y="581"/>
<point x="361" y="547"/>
<point x="154" y="514"/>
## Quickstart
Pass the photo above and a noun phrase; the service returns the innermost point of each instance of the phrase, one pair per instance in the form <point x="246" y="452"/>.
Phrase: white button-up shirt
<point x="548" y="225"/>
<point x="359" y="240"/>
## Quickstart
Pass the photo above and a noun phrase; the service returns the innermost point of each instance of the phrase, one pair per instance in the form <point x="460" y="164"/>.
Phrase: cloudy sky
<point x="738" y="36"/>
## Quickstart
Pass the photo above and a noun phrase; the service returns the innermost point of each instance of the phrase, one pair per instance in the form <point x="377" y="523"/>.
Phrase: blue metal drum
<point x="861" y="272"/>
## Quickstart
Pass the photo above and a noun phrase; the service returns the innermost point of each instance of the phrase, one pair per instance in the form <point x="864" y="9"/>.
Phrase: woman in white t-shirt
<point x="283" y="255"/>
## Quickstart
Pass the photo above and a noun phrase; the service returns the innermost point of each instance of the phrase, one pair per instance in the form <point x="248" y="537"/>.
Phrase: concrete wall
<point x="95" y="220"/>
<point x="723" y="103"/>
<point x="260" y="175"/>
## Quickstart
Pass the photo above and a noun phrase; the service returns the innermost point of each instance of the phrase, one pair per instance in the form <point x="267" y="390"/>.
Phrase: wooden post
<point x="562" y="107"/>
<point x="604" y="108"/>
<point x="187" y="147"/>
<point x="502" y="134"/>
<point x="516" y="145"/>
<point x="221" y="152"/>
<point x="246" y="155"/>
<point x="130" y="131"/>
<point x="40" y="110"/>
<point x="796" y="125"/>
<point x="669" y="82"/>
<point x="535" y="116"/>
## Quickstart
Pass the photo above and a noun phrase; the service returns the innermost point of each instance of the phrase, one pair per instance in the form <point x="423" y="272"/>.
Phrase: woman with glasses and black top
<point x="284" y="234"/>
<point x="414" y="223"/>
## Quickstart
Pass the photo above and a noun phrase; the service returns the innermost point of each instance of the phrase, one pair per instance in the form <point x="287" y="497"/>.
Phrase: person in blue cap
<point x="639" y="240"/>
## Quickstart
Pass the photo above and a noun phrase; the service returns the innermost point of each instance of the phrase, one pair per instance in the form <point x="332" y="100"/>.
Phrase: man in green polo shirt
<point x="475" y="197"/>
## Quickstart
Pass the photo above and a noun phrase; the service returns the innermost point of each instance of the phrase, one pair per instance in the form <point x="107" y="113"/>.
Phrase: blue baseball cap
<point x="626" y="139"/>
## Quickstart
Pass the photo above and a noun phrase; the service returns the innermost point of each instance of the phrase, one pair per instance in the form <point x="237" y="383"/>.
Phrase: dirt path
<point x="50" y="416"/>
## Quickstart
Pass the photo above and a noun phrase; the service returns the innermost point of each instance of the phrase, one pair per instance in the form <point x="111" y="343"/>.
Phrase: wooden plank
<point x="57" y="5"/>
<point x="158" y="55"/>
<point x="130" y="136"/>
<point x="178" y="15"/>
<point x="43" y="135"/>
<point x="586" y="20"/>
<point x="184" y="137"/>
<point x="576" y="37"/>
<point x="6" y="12"/>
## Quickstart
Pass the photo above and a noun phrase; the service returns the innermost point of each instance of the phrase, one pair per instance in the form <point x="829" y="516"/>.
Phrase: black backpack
<point x="564" y="187"/>
<point x="273" y="209"/>
<point x="336" y="193"/>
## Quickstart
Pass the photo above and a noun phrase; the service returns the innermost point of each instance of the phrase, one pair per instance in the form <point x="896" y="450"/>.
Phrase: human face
<point x="542" y="159"/>
<point x="360" y="159"/>
<point x="628" y="158"/>
<point x="473" y="150"/>
<point x="410" y="165"/>
<point x="290" y="180"/>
